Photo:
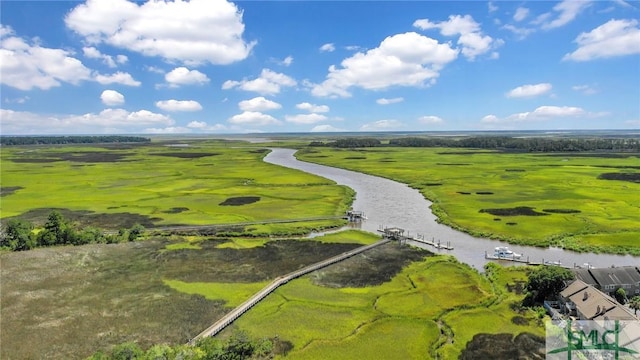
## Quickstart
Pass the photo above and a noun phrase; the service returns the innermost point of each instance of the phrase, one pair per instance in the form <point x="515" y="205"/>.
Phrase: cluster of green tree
<point x="532" y="144"/>
<point x="238" y="346"/>
<point x="349" y="143"/>
<point x="19" y="235"/>
<point x="546" y="282"/>
<point x="634" y="304"/>
<point x="41" y="140"/>
<point x="524" y="144"/>
<point x="621" y="296"/>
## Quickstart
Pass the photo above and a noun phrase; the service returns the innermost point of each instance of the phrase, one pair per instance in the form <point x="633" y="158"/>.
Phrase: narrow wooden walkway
<point x="395" y="233"/>
<point x="245" y="306"/>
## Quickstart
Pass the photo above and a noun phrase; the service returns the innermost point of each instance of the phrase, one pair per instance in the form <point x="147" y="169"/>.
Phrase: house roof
<point x="593" y="303"/>
<point x="616" y="276"/>
<point x="585" y="275"/>
<point x="573" y="288"/>
<point x="616" y="313"/>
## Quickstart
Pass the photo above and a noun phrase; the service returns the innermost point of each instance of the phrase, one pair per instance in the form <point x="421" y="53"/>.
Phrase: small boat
<point x="555" y="263"/>
<point x="504" y="252"/>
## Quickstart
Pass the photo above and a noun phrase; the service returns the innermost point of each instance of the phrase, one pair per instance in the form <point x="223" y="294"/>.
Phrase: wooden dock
<point x="508" y="258"/>
<point x="395" y="233"/>
<point x="526" y="261"/>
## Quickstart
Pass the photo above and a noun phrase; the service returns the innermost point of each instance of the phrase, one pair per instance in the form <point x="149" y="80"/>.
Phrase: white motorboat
<point x="504" y="252"/>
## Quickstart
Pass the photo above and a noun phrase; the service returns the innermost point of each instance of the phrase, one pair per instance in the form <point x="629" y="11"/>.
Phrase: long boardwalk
<point x="238" y="311"/>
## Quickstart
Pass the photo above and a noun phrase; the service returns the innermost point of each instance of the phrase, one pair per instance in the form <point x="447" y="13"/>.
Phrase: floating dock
<point x="526" y="261"/>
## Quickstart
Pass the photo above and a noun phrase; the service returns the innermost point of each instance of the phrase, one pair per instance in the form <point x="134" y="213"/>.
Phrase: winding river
<point x="389" y="203"/>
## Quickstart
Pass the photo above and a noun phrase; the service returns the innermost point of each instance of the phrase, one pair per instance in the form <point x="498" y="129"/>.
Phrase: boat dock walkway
<point x="522" y="260"/>
<point x="395" y="233"/>
<point x="245" y="306"/>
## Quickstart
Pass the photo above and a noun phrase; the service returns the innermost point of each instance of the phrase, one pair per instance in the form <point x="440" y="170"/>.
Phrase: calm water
<point x="389" y="203"/>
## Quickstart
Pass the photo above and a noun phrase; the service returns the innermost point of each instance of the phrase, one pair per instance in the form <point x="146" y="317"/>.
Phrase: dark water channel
<point x="389" y="203"/>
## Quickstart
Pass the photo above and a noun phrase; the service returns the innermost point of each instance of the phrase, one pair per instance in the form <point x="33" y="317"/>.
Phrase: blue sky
<point x="215" y="66"/>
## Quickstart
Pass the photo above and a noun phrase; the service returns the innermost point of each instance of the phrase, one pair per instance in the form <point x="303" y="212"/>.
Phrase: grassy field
<point x="535" y="199"/>
<point x="206" y="182"/>
<point x="397" y="319"/>
<point x="76" y="300"/>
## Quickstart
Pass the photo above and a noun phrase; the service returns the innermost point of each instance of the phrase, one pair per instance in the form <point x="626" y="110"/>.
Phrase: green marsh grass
<point x="77" y="300"/>
<point x="182" y="246"/>
<point x="242" y="243"/>
<point x="494" y="314"/>
<point x="401" y="316"/>
<point x="354" y="236"/>
<point x="233" y="293"/>
<point x="369" y="342"/>
<point x="154" y="180"/>
<point x="598" y="215"/>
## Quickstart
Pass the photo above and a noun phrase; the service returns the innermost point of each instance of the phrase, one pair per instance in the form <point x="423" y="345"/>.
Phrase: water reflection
<point x="389" y="203"/>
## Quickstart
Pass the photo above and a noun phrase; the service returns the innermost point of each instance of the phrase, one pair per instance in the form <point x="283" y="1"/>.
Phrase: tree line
<point x="532" y="144"/>
<point x="237" y="347"/>
<point x="76" y="139"/>
<point x="19" y="235"/>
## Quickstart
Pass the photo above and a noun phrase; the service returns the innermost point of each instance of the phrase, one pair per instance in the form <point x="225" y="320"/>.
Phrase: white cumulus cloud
<point x="287" y="61"/>
<point x="430" y="120"/>
<point x="25" y="66"/>
<point x="312" y="107"/>
<point x="585" y="89"/>
<point x="112" y="98"/>
<point x="179" y="105"/>
<point x="258" y="104"/>
<point x="117" y="78"/>
<point x="167" y="130"/>
<point x="521" y="14"/>
<point x="326" y="128"/>
<point x="471" y="39"/>
<point x="93" y="53"/>
<point x="520" y="32"/>
<point x="490" y="119"/>
<point x="253" y="118"/>
<point x="108" y="121"/>
<point x="542" y="113"/>
<point x="408" y="59"/>
<point x="382" y="125"/>
<point x="329" y="47"/>
<point x="554" y="111"/>
<point x="562" y="14"/>
<point x="268" y="83"/>
<point x="385" y="101"/>
<point x="305" y="118"/>
<point x="203" y="126"/>
<point x="191" y="32"/>
<point x="529" y="90"/>
<point x="614" y="38"/>
<point x="183" y="76"/>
